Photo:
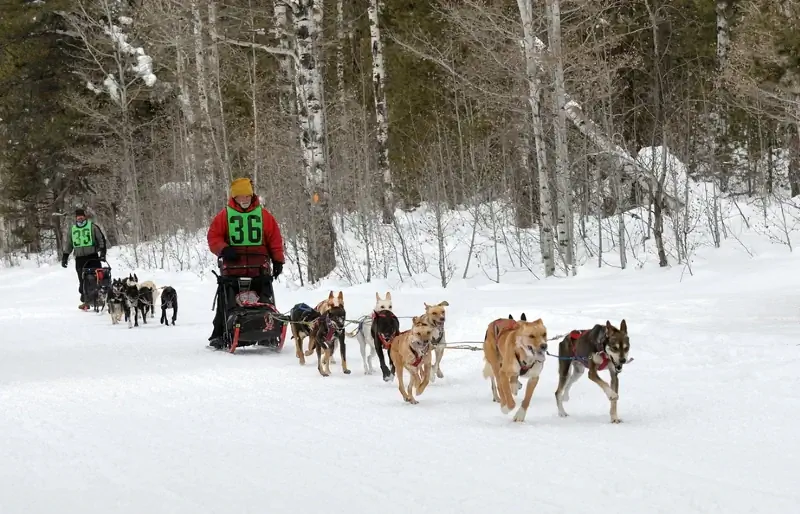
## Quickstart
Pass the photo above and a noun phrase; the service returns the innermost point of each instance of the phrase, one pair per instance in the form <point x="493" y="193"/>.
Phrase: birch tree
<point x="533" y="77"/>
<point x="562" y="166"/>
<point x="381" y="110"/>
<point x="320" y="234"/>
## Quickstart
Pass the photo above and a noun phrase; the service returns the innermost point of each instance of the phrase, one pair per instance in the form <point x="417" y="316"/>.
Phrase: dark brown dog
<point x="601" y="347"/>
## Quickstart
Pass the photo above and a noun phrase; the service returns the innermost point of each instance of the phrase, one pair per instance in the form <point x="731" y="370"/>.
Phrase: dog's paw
<point x="520" y="415"/>
<point x="612" y="395"/>
<point x="563" y="414"/>
<point x="505" y="409"/>
<point x="616" y="421"/>
<point x="439" y="373"/>
<point x="347" y="371"/>
<point x="412" y="401"/>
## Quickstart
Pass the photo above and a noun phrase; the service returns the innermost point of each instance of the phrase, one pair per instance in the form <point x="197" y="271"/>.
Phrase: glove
<point x="229" y="253"/>
<point x="277" y="268"/>
<point x="64" y="259"/>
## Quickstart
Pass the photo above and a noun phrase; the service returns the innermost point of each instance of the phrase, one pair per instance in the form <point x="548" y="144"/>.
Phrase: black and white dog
<point x="375" y="333"/>
<point x="115" y="300"/>
<point x="169" y="300"/>
<point x="138" y="297"/>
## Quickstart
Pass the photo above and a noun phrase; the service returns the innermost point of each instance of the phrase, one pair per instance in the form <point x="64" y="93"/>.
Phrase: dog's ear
<point x="444" y="304"/>
<point x="623" y="327"/>
<point x="523" y="317"/>
<point x="135" y="277"/>
<point x="330" y="295"/>
<point x="510" y="316"/>
<point x="341" y="296"/>
<point x="377" y="297"/>
<point x="414" y="320"/>
<point x="388" y="295"/>
<point x="609" y="328"/>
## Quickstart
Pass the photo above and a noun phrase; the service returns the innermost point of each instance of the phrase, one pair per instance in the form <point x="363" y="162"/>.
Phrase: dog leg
<point x="362" y="345"/>
<point x="488" y="372"/>
<point x="426" y="375"/>
<point x="566" y="377"/>
<point x="175" y="309"/>
<point x="410" y="389"/>
<point x="384" y="368"/>
<point x="615" y="387"/>
<point x="437" y="371"/>
<point x="298" y="348"/>
<point x="594" y="377"/>
<point x="505" y="386"/>
<point x="343" y="351"/>
<point x="526" y="401"/>
<point x="320" y="357"/>
<point x="574" y="374"/>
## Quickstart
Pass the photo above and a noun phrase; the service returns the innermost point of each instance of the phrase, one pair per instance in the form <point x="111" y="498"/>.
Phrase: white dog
<point x="382" y="309"/>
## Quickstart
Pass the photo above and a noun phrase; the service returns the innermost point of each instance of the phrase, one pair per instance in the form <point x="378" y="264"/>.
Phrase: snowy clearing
<point x="106" y="419"/>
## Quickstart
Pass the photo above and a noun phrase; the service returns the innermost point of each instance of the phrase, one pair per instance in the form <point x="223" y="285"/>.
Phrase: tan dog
<point x="512" y="350"/>
<point x="436" y="315"/>
<point x="411" y="350"/>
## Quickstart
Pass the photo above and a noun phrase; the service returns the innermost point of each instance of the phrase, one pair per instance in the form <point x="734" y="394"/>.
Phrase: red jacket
<point x="271" y="249"/>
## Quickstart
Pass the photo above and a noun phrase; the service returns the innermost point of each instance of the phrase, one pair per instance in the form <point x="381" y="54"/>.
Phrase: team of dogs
<point x="128" y="297"/>
<point x="512" y="350"/>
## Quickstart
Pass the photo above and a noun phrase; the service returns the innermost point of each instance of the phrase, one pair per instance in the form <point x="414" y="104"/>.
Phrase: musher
<point x="244" y="233"/>
<point x="89" y="244"/>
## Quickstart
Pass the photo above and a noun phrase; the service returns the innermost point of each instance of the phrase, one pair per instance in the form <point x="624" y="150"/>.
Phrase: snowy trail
<point x="97" y="418"/>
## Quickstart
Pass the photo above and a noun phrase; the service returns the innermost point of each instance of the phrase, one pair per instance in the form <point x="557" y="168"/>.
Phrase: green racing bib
<point x="82" y="236"/>
<point x="245" y="228"/>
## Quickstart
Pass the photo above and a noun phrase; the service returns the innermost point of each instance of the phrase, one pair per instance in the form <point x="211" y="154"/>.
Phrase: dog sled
<point x="251" y="319"/>
<point x="96" y="284"/>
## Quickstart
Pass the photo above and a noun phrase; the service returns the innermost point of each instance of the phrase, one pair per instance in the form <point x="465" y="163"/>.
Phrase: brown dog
<point x="335" y="302"/>
<point x="436" y="315"/>
<point x="601" y="347"/>
<point x="514" y="349"/>
<point x="411" y="350"/>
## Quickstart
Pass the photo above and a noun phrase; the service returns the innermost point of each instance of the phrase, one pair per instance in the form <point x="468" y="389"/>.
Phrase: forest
<point x="143" y="111"/>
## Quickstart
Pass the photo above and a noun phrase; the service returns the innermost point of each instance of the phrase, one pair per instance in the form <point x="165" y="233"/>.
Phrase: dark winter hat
<point x="80" y="212"/>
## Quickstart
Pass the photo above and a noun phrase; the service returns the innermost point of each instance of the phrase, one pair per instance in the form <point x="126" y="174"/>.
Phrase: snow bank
<point x="435" y="247"/>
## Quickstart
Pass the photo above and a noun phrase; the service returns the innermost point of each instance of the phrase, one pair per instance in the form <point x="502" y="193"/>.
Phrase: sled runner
<point x="250" y="318"/>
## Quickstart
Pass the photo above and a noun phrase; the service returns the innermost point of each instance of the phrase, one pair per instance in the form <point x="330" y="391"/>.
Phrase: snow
<point x="102" y="418"/>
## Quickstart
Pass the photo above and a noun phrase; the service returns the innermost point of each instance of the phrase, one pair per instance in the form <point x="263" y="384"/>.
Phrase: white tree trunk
<point x="532" y="72"/>
<point x="215" y="95"/>
<point x="202" y="97"/>
<point x="340" y="40"/>
<point x="288" y="101"/>
<point x="381" y="110"/>
<point x="719" y="121"/>
<point x="565" y="218"/>
<point x="320" y="233"/>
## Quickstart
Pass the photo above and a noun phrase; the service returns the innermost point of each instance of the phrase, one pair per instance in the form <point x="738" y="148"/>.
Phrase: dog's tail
<point x="487" y="369"/>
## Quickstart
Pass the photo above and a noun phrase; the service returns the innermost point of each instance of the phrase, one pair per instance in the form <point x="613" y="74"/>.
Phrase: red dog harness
<point x="574" y="336"/>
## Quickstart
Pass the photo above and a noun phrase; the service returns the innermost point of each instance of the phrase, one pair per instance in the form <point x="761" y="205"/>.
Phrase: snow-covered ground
<point x="100" y="418"/>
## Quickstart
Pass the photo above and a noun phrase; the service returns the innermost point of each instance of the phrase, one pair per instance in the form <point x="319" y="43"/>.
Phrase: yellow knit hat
<point x="241" y="187"/>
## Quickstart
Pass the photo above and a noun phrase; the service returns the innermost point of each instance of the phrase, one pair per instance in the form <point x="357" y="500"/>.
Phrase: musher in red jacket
<point x="244" y="233"/>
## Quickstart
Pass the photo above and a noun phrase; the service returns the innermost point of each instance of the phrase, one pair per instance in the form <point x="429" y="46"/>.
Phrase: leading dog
<point x="601" y="347"/>
<point x="375" y="332"/>
<point x="411" y="350"/>
<point x="512" y="350"/>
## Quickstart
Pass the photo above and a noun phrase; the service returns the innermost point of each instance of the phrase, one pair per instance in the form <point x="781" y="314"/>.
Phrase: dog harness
<point x="387" y="344"/>
<point x="574" y="336"/>
<point x="419" y="356"/>
<point x="329" y="324"/>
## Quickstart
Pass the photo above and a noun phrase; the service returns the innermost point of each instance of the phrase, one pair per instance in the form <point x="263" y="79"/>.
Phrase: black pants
<point x="88" y="262"/>
<point x="261" y="285"/>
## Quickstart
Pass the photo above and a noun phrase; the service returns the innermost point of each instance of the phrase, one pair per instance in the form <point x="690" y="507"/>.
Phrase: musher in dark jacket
<point x="89" y="244"/>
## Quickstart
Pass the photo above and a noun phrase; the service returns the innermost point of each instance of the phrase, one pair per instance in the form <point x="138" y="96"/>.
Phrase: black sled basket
<point x="96" y="283"/>
<point x="250" y="318"/>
